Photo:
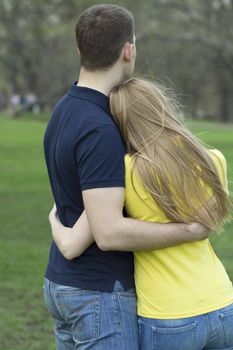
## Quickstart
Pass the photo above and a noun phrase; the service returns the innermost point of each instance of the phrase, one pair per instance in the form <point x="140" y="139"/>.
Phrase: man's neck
<point x="102" y="81"/>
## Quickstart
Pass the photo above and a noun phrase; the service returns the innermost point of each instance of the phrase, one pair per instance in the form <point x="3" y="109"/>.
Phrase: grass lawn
<point x="25" y="201"/>
<point x="24" y="231"/>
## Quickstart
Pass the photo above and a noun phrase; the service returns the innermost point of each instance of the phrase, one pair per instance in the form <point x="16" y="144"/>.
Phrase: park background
<point x="185" y="45"/>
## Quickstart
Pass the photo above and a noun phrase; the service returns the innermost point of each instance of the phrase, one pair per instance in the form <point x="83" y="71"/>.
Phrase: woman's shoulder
<point x="221" y="165"/>
<point x="216" y="153"/>
<point x="218" y="157"/>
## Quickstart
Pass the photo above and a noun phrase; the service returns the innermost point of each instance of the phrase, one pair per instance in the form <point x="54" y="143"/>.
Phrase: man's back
<point x="83" y="150"/>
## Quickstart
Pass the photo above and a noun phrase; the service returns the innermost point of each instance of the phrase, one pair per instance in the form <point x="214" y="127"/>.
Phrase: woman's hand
<point x="53" y="215"/>
<point x="71" y="241"/>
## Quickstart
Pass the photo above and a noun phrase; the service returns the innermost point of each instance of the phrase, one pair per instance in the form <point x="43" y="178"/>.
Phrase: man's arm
<point x="112" y="231"/>
<point x="72" y="242"/>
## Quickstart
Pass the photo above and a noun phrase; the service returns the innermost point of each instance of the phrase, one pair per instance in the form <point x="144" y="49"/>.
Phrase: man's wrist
<point x="197" y="231"/>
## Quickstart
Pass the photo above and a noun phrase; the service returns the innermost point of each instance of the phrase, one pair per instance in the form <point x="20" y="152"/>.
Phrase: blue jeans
<point x="211" y="331"/>
<point x="85" y="319"/>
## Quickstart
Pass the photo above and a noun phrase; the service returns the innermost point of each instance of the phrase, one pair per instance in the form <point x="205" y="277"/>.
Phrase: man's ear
<point x="127" y="52"/>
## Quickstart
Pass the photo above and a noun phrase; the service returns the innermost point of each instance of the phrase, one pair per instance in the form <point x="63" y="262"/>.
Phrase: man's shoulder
<point x="84" y="112"/>
<point x="80" y="117"/>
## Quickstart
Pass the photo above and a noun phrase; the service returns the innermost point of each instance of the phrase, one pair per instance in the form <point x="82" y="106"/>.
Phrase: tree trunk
<point x="225" y="105"/>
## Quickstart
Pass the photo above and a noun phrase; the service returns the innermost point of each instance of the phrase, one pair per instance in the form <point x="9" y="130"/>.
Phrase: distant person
<point x="92" y="298"/>
<point x="15" y="100"/>
<point x="184" y="296"/>
<point x="31" y="102"/>
<point x="23" y="101"/>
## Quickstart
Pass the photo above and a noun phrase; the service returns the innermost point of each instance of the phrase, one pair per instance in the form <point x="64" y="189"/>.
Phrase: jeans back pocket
<point x="175" y="338"/>
<point x="81" y="308"/>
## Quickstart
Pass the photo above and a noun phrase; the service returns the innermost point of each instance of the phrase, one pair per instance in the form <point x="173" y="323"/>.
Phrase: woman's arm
<point x="71" y="242"/>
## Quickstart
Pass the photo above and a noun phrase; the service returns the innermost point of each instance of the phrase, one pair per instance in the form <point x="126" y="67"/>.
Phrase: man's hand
<point x="198" y="231"/>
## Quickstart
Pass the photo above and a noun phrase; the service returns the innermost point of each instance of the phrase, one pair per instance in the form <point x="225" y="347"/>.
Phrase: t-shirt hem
<point x="100" y="184"/>
<point x="88" y="285"/>
<point x="186" y="314"/>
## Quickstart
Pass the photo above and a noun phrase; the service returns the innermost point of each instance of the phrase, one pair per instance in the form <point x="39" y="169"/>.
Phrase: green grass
<point x="24" y="205"/>
<point x="25" y="236"/>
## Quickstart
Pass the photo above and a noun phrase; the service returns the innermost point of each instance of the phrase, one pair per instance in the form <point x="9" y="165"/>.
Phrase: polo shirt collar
<point x="90" y="95"/>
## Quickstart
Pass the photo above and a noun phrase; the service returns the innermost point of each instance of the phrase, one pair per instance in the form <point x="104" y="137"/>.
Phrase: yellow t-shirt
<point x="180" y="281"/>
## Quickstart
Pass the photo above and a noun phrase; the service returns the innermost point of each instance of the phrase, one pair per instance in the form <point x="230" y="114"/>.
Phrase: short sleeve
<point x="221" y="166"/>
<point x="100" y="159"/>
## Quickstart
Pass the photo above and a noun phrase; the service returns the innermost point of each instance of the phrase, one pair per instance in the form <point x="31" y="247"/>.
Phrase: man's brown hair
<point x="101" y="32"/>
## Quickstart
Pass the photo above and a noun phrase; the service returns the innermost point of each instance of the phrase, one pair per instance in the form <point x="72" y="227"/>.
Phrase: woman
<point x="185" y="298"/>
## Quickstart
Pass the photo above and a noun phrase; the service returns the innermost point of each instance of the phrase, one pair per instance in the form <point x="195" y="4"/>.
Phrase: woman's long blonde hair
<point x="172" y="164"/>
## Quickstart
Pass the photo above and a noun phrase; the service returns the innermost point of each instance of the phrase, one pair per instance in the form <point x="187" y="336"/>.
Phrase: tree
<point x="186" y="42"/>
<point x="192" y="43"/>
<point x="36" y="45"/>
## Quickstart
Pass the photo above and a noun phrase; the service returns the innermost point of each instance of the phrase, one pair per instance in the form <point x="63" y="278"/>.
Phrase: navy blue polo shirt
<point x="84" y="150"/>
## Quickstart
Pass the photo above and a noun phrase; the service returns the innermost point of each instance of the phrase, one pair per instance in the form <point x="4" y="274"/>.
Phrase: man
<point x="92" y="298"/>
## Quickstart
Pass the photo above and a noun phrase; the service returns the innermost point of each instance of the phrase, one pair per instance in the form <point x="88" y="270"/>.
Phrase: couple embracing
<point x="126" y="177"/>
